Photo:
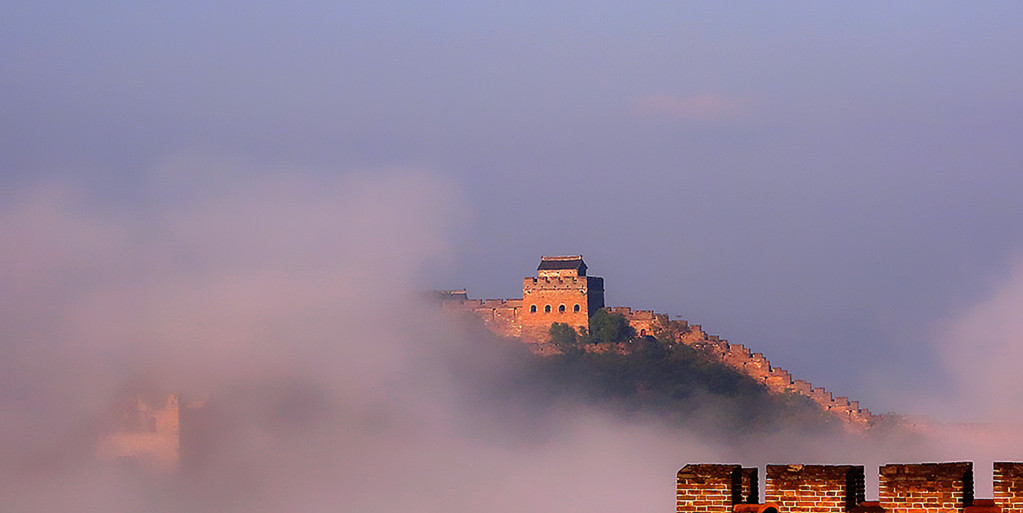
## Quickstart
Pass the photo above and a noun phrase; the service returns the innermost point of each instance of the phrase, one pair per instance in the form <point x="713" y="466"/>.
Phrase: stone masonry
<point x="1008" y="480"/>
<point x="903" y="488"/>
<point x="814" y="488"/>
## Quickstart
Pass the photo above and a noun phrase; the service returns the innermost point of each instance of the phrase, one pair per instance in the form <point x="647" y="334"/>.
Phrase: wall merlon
<point x="905" y="488"/>
<point x="1008" y="486"/>
<point x="711" y="488"/>
<point x="821" y="395"/>
<point x="814" y="488"/>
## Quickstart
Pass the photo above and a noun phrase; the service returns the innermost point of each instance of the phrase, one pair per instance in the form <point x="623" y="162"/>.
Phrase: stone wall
<point x="926" y="487"/>
<point x="777" y="380"/>
<point x="904" y="488"/>
<point x="814" y="488"/>
<point x="708" y="488"/>
<point x="1008" y="480"/>
<point x="564" y="299"/>
<point x="501" y="316"/>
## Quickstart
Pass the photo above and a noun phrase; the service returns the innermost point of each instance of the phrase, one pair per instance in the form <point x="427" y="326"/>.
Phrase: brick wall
<point x="814" y="488"/>
<point x="904" y="488"/>
<point x="926" y="487"/>
<point x="1009" y="486"/>
<point x="566" y="299"/>
<point x="708" y="488"/>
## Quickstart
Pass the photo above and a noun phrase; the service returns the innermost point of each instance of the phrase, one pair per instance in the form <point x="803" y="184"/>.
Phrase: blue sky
<point x="828" y="183"/>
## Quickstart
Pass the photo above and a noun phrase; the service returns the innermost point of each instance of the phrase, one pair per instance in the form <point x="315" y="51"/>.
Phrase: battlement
<point x="903" y="488"/>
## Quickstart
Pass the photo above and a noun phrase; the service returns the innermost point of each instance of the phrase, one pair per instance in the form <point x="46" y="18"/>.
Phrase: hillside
<point x="562" y="312"/>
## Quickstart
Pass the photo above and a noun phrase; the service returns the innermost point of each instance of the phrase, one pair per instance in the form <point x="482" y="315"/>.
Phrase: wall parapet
<point x="714" y="488"/>
<point x="903" y="488"/>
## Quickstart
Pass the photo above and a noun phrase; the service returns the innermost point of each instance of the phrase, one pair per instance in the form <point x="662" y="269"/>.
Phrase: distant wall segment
<point x="563" y="292"/>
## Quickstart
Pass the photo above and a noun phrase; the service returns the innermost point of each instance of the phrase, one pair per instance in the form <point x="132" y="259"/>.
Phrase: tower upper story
<point x="561" y="266"/>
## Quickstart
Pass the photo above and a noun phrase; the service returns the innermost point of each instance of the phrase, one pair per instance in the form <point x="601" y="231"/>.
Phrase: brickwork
<point x="926" y="487"/>
<point x="1008" y="480"/>
<point x="708" y="488"/>
<point x="904" y="488"/>
<point x="565" y="299"/>
<point x="645" y="322"/>
<point x="814" y="488"/>
<point x="501" y="316"/>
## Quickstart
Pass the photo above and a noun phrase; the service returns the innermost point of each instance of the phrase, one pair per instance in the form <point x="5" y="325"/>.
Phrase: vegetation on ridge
<point x="656" y="375"/>
<point x="679" y="383"/>
<point x="641" y="377"/>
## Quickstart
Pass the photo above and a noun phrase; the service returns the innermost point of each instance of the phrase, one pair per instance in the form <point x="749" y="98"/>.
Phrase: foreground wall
<point x="903" y="488"/>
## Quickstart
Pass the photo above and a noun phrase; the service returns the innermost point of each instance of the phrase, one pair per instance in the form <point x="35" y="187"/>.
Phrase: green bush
<point x="563" y="336"/>
<point x="607" y="328"/>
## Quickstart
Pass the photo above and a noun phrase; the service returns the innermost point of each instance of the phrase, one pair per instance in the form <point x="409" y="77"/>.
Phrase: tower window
<point x="561" y="309"/>
<point x="575" y="308"/>
<point x="547" y="309"/>
<point x="532" y="308"/>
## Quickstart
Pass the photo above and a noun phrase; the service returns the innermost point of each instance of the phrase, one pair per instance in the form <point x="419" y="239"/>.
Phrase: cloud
<point x="981" y="349"/>
<point x="287" y="297"/>
<point x="701" y="107"/>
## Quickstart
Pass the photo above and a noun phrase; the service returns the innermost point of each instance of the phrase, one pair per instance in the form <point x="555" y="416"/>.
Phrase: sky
<point x="833" y="185"/>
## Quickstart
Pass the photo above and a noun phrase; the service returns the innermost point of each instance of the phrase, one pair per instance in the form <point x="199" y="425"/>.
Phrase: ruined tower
<point x="560" y="292"/>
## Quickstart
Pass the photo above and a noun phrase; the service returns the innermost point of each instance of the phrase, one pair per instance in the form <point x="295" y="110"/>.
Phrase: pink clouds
<point x="274" y="293"/>
<point x="700" y="107"/>
<point x="981" y="348"/>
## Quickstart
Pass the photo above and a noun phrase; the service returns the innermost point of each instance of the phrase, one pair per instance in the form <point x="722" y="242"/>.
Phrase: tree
<point x="607" y="327"/>
<point x="563" y="337"/>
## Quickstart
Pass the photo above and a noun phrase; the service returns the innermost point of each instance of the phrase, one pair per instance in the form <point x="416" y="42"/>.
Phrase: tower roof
<point x="557" y="263"/>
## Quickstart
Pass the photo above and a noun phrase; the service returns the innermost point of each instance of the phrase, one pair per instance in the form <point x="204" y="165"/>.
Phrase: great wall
<point x="149" y="431"/>
<point x="903" y="488"/>
<point x="562" y="292"/>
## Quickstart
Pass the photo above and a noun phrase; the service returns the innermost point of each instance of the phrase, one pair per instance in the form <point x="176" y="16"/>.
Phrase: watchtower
<point x="561" y="292"/>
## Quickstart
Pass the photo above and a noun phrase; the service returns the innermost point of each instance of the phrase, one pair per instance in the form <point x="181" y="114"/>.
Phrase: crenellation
<point x="903" y="488"/>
